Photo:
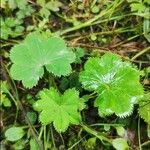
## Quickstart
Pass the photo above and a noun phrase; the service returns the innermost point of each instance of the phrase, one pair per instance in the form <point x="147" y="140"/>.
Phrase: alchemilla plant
<point x="115" y="84"/>
<point x="75" y="75"/>
<point x="112" y="79"/>
<point x="62" y="110"/>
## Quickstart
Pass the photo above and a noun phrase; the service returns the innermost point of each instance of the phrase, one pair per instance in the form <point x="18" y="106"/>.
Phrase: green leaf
<point x="10" y="26"/>
<point x="120" y="144"/>
<point x="4" y="100"/>
<point x="14" y="133"/>
<point x="91" y="143"/>
<point x="139" y="7"/>
<point x="120" y="131"/>
<point x="13" y="4"/>
<point x="93" y="37"/>
<point x="95" y="9"/>
<point x="116" y="83"/>
<point x="33" y="145"/>
<point x="106" y="127"/>
<point x="19" y="145"/>
<point x="144" y="108"/>
<point x="4" y="86"/>
<point x="24" y="12"/>
<point x="32" y="117"/>
<point x="36" y="52"/>
<point x="53" y="5"/>
<point x="62" y="110"/>
<point x="79" y="52"/>
<point x="41" y="2"/>
<point x="44" y="12"/>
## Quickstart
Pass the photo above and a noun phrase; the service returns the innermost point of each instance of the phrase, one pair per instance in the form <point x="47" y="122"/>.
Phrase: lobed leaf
<point x="36" y="52"/>
<point x="62" y="110"/>
<point x="116" y="83"/>
<point x="144" y="108"/>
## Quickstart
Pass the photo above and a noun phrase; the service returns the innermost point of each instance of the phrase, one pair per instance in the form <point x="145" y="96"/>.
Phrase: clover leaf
<point x="62" y="110"/>
<point x="36" y="52"/>
<point x="116" y="83"/>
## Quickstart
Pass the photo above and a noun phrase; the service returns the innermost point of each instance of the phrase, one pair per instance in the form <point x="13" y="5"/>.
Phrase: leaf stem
<point x="62" y="139"/>
<point x="145" y="143"/>
<point x="44" y="136"/>
<point x="76" y="143"/>
<point x="141" y="53"/>
<point x="103" y="124"/>
<point x="139" y="135"/>
<point x="96" y="134"/>
<point x="51" y="81"/>
<point x="41" y="132"/>
<point x="52" y="137"/>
